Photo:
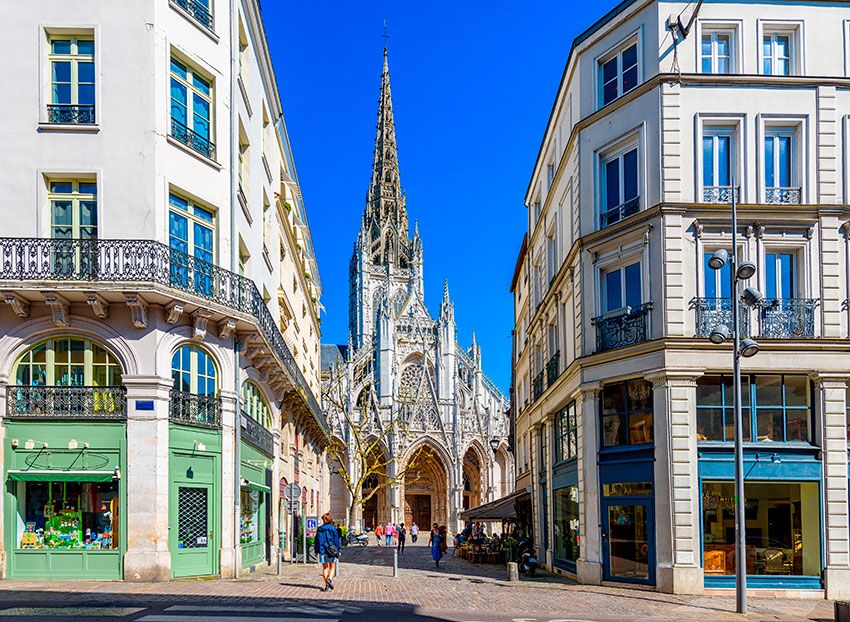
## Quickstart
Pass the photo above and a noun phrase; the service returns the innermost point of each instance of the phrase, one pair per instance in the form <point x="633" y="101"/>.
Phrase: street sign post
<point x="292" y="491"/>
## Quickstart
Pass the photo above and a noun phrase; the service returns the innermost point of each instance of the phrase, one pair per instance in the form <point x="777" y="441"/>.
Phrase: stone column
<point x="276" y="497"/>
<point x="549" y="457"/>
<point x="589" y="563"/>
<point x="230" y="555"/>
<point x="4" y="380"/>
<point x="147" y="479"/>
<point x="677" y="538"/>
<point x="833" y="433"/>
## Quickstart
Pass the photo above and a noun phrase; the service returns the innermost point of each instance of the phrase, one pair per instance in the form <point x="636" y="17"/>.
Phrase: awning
<point x="500" y="509"/>
<point x="254" y="486"/>
<point x="61" y="476"/>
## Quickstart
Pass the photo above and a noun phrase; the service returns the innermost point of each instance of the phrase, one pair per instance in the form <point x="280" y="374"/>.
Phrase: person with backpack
<point x="327" y="545"/>
<point x="401" y="532"/>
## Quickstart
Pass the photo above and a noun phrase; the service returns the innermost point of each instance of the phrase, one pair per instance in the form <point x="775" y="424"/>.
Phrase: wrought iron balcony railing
<point x="788" y="318"/>
<point x="712" y="312"/>
<point x="25" y="401"/>
<point x="719" y="194"/>
<point x="198" y="10"/>
<point x="256" y="434"/>
<point x="537" y="385"/>
<point x="621" y="330"/>
<point x="191" y="409"/>
<point x="783" y="196"/>
<point x="552" y="369"/>
<point x="145" y="261"/>
<point x="618" y="213"/>
<point x="70" y="114"/>
<point x="192" y="139"/>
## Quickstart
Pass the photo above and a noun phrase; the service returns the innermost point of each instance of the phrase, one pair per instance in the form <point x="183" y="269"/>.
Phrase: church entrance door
<point x="418" y="510"/>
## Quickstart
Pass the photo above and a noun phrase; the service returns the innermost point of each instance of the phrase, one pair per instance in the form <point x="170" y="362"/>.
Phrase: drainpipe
<point x="234" y="267"/>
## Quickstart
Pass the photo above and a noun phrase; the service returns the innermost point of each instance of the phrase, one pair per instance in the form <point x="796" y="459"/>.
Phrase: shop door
<point x="628" y="542"/>
<point x="192" y="539"/>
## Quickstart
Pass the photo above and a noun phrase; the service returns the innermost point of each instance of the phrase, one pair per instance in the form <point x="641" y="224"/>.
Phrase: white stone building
<point x="159" y="345"/>
<point x="404" y="369"/>
<point x="622" y="406"/>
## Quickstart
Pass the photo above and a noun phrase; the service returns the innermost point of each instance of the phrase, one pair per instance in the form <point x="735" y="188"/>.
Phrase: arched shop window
<point x="68" y="362"/>
<point x="193" y="371"/>
<point x="254" y="404"/>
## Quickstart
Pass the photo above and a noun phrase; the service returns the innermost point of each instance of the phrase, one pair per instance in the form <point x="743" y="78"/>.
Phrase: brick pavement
<point x="457" y="586"/>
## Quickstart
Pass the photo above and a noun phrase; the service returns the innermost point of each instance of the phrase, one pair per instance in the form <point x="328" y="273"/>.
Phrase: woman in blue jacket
<point x="328" y="544"/>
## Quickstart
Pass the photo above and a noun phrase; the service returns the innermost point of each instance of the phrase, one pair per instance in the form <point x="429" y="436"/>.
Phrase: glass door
<point x="191" y="235"/>
<point x="73" y="219"/>
<point x="628" y="543"/>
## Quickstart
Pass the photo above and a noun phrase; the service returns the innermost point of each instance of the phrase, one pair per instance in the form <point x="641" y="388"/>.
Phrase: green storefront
<point x="64" y="500"/>
<point x="194" y="500"/>
<point x="254" y="504"/>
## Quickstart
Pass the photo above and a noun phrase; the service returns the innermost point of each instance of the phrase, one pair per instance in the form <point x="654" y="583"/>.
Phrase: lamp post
<point x="746" y="348"/>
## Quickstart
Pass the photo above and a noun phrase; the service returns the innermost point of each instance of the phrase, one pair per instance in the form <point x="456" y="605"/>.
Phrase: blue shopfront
<point x="565" y="506"/>
<point x="783" y="482"/>
<point x="627" y="501"/>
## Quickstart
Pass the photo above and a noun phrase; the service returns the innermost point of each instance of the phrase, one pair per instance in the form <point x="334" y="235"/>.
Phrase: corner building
<point x="159" y="334"/>
<point x="404" y="369"/>
<point x="622" y="408"/>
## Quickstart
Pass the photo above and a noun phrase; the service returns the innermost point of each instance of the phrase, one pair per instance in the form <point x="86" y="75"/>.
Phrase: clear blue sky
<point x="473" y="84"/>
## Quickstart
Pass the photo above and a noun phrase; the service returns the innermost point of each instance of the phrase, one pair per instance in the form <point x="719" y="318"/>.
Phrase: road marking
<point x="306" y="609"/>
<point x="111" y="612"/>
<point x="181" y="618"/>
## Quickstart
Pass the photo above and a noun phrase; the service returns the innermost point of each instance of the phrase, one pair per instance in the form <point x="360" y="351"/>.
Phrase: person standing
<point x="379" y="533"/>
<point x="402" y="536"/>
<point x="414" y="532"/>
<point x="388" y="533"/>
<point x="327" y="547"/>
<point x="434" y="543"/>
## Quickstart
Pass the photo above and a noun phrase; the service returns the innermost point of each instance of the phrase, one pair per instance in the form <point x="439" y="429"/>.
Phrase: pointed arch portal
<point x="425" y="489"/>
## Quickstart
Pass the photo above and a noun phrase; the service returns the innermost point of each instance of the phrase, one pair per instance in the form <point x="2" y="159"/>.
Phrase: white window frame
<point x="713" y="30"/>
<point x="627" y="144"/>
<point x="616" y="51"/>
<point x="846" y="47"/>
<point x="793" y="29"/>
<point x="620" y="264"/>
<point x="797" y="268"/>
<point x="75" y="197"/>
<point x="735" y="126"/>
<point x="192" y="219"/>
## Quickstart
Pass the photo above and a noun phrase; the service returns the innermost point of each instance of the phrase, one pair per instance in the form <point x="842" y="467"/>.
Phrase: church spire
<point x="386" y="213"/>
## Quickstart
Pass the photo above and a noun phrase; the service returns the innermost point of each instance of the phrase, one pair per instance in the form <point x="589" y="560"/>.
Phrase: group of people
<point x="395" y="534"/>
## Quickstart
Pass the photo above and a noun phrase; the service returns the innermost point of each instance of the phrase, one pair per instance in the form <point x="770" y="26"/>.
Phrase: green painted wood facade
<point x="252" y="471"/>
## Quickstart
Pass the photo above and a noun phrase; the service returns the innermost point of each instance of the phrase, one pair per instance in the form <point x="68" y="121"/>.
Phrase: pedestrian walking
<point x="434" y="543"/>
<point x="388" y="534"/>
<point x="402" y="536"/>
<point x="379" y="533"/>
<point x="414" y="532"/>
<point x="328" y="544"/>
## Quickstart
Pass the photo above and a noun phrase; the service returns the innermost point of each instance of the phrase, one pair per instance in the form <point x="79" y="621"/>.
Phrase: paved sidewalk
<point x="458" y="590"/>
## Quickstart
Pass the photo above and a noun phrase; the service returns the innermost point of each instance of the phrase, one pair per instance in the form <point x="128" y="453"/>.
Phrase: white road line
<point x="157" y="617"/>
<point x="305" y="609"/>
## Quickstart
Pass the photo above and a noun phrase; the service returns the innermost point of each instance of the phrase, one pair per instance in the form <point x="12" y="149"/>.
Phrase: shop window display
<point x="68" y="516"/>
<point x="782" y="525"/>
<point x="627" y="413"/>
<point x="566" y="524"/>
<point x="250" y="519"/>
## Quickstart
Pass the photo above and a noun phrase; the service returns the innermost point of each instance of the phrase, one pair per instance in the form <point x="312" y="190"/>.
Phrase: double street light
<point x="746" y="347"/>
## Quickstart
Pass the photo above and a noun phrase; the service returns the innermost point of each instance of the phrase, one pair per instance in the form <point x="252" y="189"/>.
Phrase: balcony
<point x="712" y="312"/>
<point x="783" y="196"/>
<point x="537" y="385"/>
<point x="552" y="369"/>
<point x="70" y="114"/>
<point x="44" y="262"/>
<point x="193" y="140"/>
<point x="788" y="318"/>
<point x="24" y="402"/>
<point x="197" y="11"/>
<point x="198" y="410"/>
<point x="719" y="194"/>
<point x="256" y="434"/>
<point x="616" y="214"/>
<point x="622" y="328"/>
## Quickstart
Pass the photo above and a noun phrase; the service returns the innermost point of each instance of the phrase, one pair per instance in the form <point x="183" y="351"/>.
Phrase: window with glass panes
<point x="620" y="187"/>
<point x="73" y="209"/>
<point x="627" y="413"/>
<point x="621" y="287"/>
<point x="72" y="80"/>
<point x="775" y="408"/>
<point x="566" y="434"/>
<point x="717" y="157"/>
<point x="68" y="361"/>
<point x="254" y="405"/>
<point x="776" y="54"/>
<point x="716" y="52"/>
<point x="619" y="73"/>
<point x="716" y="283"/>
<point x="780" y="275"/>
<point x="779" y="158"/>
<point x="193" y="371"/>
<point x="191" y="100"/>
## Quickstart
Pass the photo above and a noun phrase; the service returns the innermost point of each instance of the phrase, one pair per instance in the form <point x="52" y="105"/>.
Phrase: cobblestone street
<point x="365" y="590"/>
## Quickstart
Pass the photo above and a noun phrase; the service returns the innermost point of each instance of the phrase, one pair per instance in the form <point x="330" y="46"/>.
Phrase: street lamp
<point x="746" y="348"/>
<point x="494" y="444"/>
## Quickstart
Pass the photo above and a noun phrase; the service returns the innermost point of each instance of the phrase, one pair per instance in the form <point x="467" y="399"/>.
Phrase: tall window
<point x="780" y="278"/>
<point x="254" y="405"/>
<point x="191" y="231"/>
<point x="620" y="187"/>
<point x="717" y="283"/>
<point x="776" y="54"/>
<point x="618" y="74"/>
<point x="717" y="146"/>
<point x="551" y="255"/>
<point x="779" y="173"/>
<point x="72" y="80"/>
<point x="716" y="52"/>
<point x="776" y="408"/>
<point x="566" y="431"/>
<point x="191" y="108"/>
<point x="73" y="209"/>
<point x="627" y="413"/>
<point x="193" y="371"/>
<point x="622" y="288"/>
<point x="68" y="362"/>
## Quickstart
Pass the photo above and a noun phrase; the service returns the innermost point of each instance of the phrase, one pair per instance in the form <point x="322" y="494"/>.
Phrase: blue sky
<point x="473" y="84"/>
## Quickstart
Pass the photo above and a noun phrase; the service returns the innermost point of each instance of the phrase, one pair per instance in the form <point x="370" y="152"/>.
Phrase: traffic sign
<point x="312" y="524"/>
<point x="292" y="491"/>
<point x="293" y="506"/>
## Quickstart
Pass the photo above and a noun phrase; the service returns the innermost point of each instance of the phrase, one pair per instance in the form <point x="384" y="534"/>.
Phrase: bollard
<point x="842" y="611"/>
<point x="279" y="561"/>
<point x="395" y="562"/>
<point x="513" y="571"/>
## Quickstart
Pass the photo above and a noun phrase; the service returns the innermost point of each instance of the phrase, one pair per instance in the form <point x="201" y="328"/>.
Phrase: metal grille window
<point x="192" y="518"/>
<point x="566" y="431"/>
<point x="72" y="80"/>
